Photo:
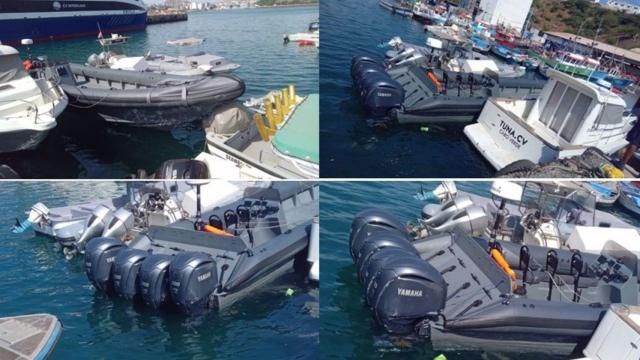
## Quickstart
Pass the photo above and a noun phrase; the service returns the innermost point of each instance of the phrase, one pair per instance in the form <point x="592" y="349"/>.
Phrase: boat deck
<point x="28" y="336"/>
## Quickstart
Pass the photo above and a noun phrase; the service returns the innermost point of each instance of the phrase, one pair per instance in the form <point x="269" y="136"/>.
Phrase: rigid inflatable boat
<point x="465" y="292"/>
<point x="196" y="266"/>
<point x="411" y="95"/>
<point x="146" y="99"/>
<point x="145" y="204"/>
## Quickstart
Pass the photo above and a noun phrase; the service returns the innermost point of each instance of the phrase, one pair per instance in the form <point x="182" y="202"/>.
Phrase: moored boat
<point x="29" y="337"/>
<point x="63" y="19"/>
<point x="269" y="138"/>
<point x="29" y="105"/>
<point x="147" y="99"/>
<point x="571" y="115"/>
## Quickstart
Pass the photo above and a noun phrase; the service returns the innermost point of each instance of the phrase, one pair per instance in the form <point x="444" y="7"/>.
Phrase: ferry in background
<point x="55" y="20"/>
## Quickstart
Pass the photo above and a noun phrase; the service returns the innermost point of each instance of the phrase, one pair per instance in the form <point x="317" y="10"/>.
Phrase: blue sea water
<point x="82" y="145"/>
<point x="37" y="278"/>
<point x="350" y="147"/>
<point x="347" y="328"/>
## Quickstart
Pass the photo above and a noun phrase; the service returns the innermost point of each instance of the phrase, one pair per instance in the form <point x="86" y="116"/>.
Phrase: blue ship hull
<point x="59" y="28"/>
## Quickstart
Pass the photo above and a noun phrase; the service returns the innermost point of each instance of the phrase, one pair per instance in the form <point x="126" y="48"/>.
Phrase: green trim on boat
<point x="554" y="64"/>
<point x="299" y="137"/>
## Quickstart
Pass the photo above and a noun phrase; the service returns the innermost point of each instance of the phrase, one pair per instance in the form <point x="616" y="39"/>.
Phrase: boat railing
<point x="31" y="104"/>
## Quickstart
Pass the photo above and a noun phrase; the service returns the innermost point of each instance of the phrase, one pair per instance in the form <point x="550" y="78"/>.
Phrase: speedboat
<point x="144" y="204"/>
<point x="463" y="292"/>
<point x="570" y="116"/>
<point x="190" y="65"/>
<point x="630" y="197"/>
<point x="309" y="37"/>
<point x="147" y="99"/>
<point x="29" y="105"/>
<point x="409" y="94"/>
<point x="215" y="259"/>
<point x="268" y="138"/>
<point x="29" y="337"/>
<point x="453" y="280"/>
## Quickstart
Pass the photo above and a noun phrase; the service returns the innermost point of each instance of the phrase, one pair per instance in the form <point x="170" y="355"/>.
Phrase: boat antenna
<point x="592" y="47"/>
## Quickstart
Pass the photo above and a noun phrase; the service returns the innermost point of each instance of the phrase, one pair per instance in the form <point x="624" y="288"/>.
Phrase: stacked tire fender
<point x="378" y="92"/>
<point x="186" y="280"/>
<point x="401" y="288"/>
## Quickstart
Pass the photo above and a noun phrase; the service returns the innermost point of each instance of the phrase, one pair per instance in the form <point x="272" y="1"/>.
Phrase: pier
<point x="160" y="17"/>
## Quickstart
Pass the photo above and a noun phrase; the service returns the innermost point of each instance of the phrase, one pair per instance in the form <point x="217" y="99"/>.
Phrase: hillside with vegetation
<point x="583" y="17"/>
<point x="285" y="2"/>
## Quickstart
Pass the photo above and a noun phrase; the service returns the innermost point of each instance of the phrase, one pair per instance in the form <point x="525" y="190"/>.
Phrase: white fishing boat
<point x="569" y="116"/>
<point x="309" y="37"/>
<point x="269" y="138"/>
<point x="114" y="39"/>
<point x="28" y="106"/>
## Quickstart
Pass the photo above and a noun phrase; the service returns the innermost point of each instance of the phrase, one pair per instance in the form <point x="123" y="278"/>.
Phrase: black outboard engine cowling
<point x="126" y="267"/>
<point x="378" y="92"/>
<point x="379" y="241"/>
<point x="182" y="169"/>
<point x="193" y="278"/>
<point x="154" y="280"/>
<point x="366" y="222"/>
<point x="407" y="291"/>
<point x="100" y="253"/>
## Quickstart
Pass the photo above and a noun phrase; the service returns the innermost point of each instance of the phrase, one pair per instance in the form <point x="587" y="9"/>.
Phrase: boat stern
<point x="502" y="139"/>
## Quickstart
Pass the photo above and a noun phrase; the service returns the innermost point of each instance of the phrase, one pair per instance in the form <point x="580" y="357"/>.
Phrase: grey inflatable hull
<point x="148" y="99"/>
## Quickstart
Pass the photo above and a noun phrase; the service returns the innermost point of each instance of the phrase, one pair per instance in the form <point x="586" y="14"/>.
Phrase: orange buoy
<point x="215" y="230"/>
<point x="499" y="259"/>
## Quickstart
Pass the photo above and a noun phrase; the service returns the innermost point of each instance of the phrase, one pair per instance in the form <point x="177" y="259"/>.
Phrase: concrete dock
<point x="166" y="17"/>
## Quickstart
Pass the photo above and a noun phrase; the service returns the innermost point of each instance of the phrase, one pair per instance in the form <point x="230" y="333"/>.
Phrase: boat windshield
<point x="11" y="68"/>
<point x="299" y="136"/>
<point x="571" y="206"/>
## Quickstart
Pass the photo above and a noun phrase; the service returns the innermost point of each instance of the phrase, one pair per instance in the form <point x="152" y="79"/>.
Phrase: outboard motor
<point x="193" y="278"/>
<point x="183" y="169"/>
<point x="120" y="224"/>
<point x="378" y="92"/>
<point x="100" y="253"/>
<point x="378" y="261"/>
<point x="94" y="226"/>
<point x="446" y="211"/>
<point x="377" y="242"/>
<point x="126" y="267"/>
<point x="154" y="279"/>
<point x="39" y="213"/>
<point x="405" y="292"/>
<point x="473" y="220"/>
<point x="367" y="221"/>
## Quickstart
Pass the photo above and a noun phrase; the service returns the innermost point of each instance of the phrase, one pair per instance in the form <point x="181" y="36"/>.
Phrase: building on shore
<point x="509" y="13"/>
